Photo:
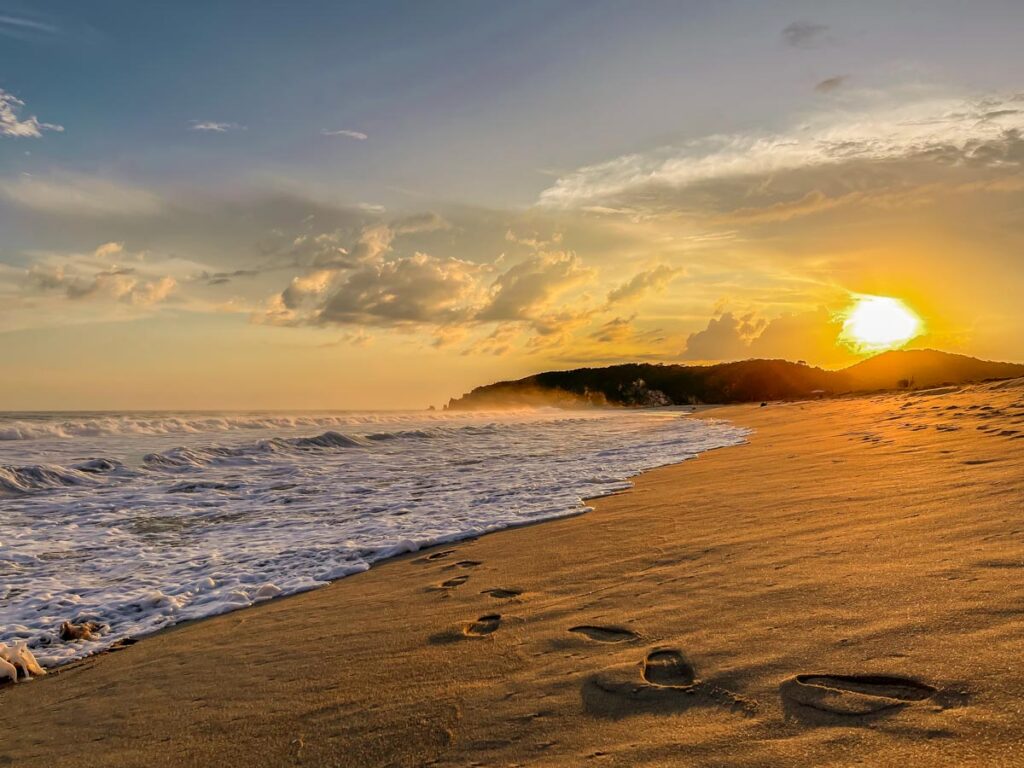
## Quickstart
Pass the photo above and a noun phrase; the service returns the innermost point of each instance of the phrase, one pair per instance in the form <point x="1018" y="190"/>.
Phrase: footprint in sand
<point x="500" y="593"/>
<point x="668" y="685"/>
<point x="668" y="668"/>
<point x="850" y="696"/>
<point x="605" y="634"/>
<point x="466" y="564"/>
<point x="485" y="625"/>
<point x="458" y="581"/>
<point x="435" y="556"/>
<point x="441" y="555"/>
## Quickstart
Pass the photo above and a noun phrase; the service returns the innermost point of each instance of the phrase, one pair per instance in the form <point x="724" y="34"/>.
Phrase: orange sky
<point x="339" y="259"/>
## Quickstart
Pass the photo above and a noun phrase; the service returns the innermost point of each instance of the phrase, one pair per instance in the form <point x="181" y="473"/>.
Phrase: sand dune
<point x="848" y="588"/>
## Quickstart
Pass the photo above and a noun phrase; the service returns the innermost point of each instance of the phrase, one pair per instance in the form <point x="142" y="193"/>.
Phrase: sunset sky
<point x="383" y="204"/>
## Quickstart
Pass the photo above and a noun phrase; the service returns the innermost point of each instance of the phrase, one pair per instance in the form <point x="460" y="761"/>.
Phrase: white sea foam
<point x="138" y="521"/>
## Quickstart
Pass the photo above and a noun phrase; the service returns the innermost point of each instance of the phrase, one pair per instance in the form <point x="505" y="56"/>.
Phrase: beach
<point x="845" y="588"/>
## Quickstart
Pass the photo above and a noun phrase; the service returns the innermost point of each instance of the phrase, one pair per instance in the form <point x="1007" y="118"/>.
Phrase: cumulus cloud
<point x="365" y="282"/>
<point x="725" y="338"/>
<point x="415" y="289"/>
<point x="79" y="195"/>
<point x="811" y="335"/>
<point x="804" y="34"/>
<point x="357" y="135"/>
<point x="518" y="292"/>
<point x="101" y="274"/>
<point x="212" y="126"/>
<point x="983" y="132"/>
<point x="123" y="285"/>
<point x="13" y="126"/>
<point x="641" y="283"/>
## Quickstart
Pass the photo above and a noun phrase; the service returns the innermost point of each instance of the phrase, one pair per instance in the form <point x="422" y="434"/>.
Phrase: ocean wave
<point x="14" y="426"/>
<point x="36" y="477"/>
<point x="134" y="533"/>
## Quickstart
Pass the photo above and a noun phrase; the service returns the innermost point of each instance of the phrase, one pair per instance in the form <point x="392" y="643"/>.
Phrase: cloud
<point x="110" y="281"/>
<point x="830" y="84"/>
<point x="122" y="285"/>
<point x="96" y="276"/>
<point x="108" y="250"/>
<point x="809" y="335"/>
<point x="812" y="335"/>
<point x="223" y="278"/>
<point x="13" y="127"/>
<point x="321" y="251"/>
<point x="357" y="135"/>
<point x="616" y="330"/>
<point x="804" y="34"/>
<point x="518" y="293"/>
<point x="726" y="338"/>
<point x="415" y="289"/>
<point x="21" y="28"/>
<point x="641" y="283"/>
<point x="420" y="222"/>
<point x="304" y="287"/>
<point x="79" y="195"/>
<point x="367" y="283"/>
<point x="211" y="126"/>
<point x="977" y="133"/>
<point x="362" y="283"/>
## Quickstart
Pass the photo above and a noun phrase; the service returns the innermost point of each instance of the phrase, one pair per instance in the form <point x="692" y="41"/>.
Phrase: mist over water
<point x="139" y="521"/>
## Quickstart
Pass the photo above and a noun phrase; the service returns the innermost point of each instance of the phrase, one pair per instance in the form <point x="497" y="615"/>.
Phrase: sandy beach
<point x="847" y="588"/>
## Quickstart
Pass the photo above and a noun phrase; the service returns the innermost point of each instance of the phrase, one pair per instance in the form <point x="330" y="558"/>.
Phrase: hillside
<point x="643" y="384"/>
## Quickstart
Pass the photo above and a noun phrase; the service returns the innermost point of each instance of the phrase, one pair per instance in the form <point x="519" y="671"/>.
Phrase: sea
<point x="138" y="521"/>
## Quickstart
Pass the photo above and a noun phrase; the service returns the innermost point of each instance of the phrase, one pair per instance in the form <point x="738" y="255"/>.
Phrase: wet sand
<point x="848" y="588"/>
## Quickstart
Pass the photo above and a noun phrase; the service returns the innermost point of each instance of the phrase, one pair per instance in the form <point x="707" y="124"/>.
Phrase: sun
<point x="878" y="323"/>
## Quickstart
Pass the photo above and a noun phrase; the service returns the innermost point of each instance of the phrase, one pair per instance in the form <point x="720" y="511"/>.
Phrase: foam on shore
<point x="134" y="524"/>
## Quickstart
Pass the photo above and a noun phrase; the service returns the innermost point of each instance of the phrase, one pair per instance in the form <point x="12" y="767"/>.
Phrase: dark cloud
<point x="830" y="84"/>
<point x="804" y="34"/>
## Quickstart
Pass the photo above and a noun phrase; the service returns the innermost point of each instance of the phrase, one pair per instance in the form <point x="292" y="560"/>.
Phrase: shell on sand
<point x="21" y="656"/>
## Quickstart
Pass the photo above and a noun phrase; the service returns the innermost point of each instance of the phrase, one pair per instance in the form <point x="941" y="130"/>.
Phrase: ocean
<point x="137" y="521"/>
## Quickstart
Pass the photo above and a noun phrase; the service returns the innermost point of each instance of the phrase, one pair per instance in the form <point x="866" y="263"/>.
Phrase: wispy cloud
<point x="937" y="129"/>
<point x="212" y="126"/>
<point x="22" y="28"/>
<point x="357" y="135"/>
<point x="804" y="34"/>
<point x="79" y="195"/>
<point x="641" y="283"/>
<point x="11" y="125"/>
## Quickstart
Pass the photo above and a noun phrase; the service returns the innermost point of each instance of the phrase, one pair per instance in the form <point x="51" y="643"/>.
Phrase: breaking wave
<point x="136" y="523"/>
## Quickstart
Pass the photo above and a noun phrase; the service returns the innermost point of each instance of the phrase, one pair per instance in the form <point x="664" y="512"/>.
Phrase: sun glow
<point x="878" y="323"/>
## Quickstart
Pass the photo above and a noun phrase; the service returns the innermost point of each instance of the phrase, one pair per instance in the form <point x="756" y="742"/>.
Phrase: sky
<point x="285" y="205"/>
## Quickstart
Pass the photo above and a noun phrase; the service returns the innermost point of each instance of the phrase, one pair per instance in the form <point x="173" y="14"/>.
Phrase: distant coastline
<point x="653" y="385"/>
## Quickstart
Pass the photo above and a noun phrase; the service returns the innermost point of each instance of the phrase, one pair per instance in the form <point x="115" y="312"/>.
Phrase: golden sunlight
<point x="878" y="323"/>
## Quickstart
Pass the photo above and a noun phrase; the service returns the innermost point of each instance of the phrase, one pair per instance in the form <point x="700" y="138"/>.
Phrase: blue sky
<point x="566" y="148"/>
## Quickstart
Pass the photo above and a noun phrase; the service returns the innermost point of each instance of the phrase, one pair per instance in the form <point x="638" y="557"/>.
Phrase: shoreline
<point x="398" y="548"/>
<point x="757" y="566"/>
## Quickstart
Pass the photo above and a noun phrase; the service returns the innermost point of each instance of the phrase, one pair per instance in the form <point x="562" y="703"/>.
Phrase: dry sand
<point x="846" y="589"/>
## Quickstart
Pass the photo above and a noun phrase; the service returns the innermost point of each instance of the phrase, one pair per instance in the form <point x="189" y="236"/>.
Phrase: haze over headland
<point x="382" y="205"/>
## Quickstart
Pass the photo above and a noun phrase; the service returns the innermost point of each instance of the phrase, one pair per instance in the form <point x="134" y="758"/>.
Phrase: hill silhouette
<point x="644" y="384"/>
